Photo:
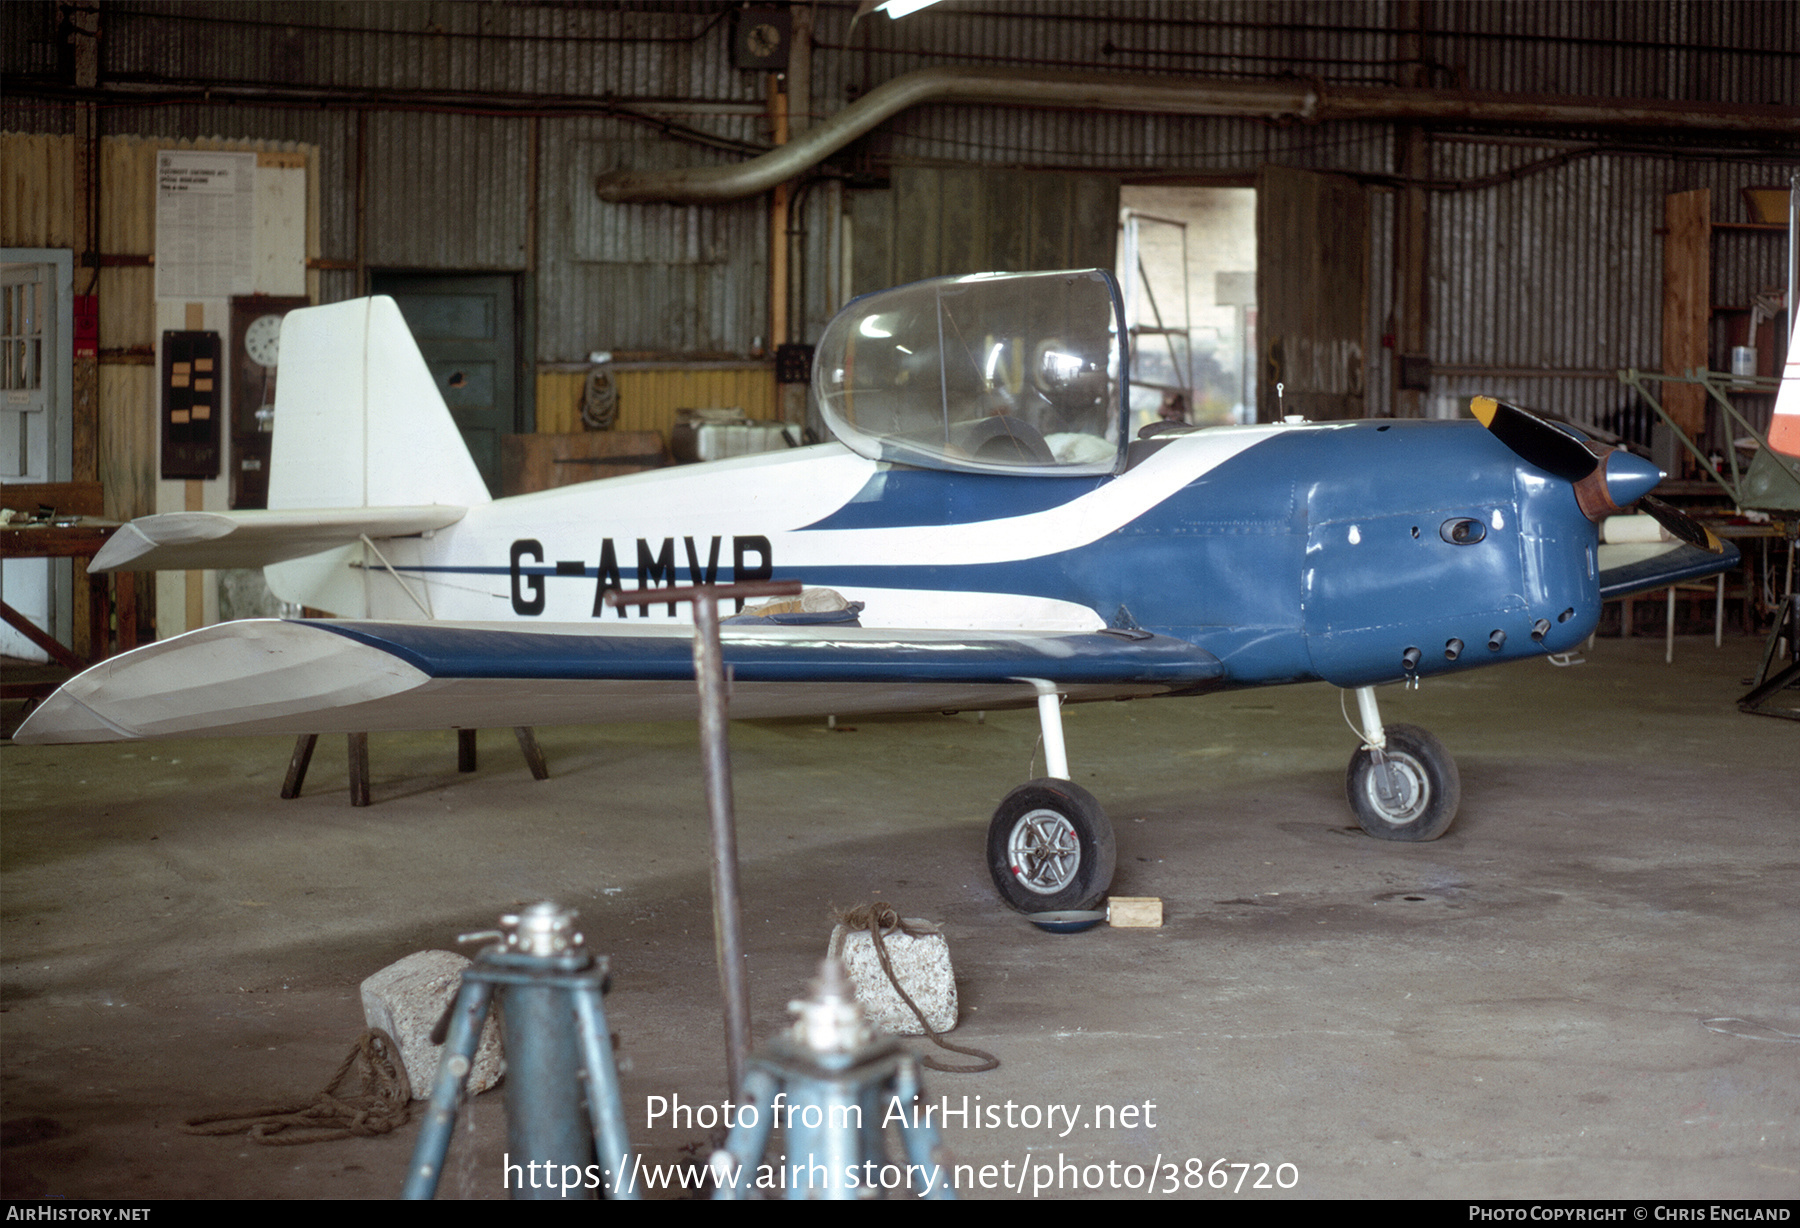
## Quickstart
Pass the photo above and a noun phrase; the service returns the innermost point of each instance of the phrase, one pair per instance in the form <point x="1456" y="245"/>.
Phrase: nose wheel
<point x="1409" y="790"/>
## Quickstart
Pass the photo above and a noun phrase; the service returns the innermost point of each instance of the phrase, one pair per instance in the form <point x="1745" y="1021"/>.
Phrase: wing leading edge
<point x="272" y="677"/>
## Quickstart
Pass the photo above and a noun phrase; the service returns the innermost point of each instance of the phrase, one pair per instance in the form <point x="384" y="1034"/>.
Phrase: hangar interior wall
<point x="37" y="185"/>
<point x="466" y="138"/>
<point x="38" y="177"/>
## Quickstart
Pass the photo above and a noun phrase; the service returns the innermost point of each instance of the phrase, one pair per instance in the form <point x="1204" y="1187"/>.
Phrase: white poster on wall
<point x="205" y="224"/>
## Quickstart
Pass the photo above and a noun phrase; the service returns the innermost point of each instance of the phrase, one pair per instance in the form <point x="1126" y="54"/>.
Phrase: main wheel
<point x="1413" y="795"/>
<point x="1050" y="848"/>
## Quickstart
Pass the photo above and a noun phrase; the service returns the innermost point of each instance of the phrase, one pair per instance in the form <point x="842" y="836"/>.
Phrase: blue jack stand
<point x="554" y="1034"/>
<point x="831" y="1083"/>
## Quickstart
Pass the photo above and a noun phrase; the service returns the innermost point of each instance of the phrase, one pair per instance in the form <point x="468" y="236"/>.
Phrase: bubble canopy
<point x="1019" y="373"/>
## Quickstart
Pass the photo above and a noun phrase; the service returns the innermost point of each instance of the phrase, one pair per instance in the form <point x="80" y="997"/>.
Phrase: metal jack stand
<point x="709" y="677"/>
<point x="1773" y="677"/>
<point x="554" y="1033"/>
<point x="831" y="1082"/>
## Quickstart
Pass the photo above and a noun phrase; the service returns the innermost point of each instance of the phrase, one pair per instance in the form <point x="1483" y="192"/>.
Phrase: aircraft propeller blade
<point x="1681" y="525"/>
<point x="1536" y="441"/>
<point x="1606" y="479"/>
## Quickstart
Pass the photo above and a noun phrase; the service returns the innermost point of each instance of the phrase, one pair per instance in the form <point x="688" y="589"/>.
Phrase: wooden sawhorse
<point x="359" y="761"/>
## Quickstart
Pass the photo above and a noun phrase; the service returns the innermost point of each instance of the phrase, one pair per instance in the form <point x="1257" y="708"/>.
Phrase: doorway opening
<point x="1187" y="266"/>
<point x="37" y="426"/>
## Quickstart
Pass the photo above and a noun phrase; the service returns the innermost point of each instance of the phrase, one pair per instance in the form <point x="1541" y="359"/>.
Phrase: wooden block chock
<point x="1134" y="912"/>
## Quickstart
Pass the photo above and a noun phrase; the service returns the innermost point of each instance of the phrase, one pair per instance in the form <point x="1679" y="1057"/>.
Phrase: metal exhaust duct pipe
<point x="1302" y="102"/>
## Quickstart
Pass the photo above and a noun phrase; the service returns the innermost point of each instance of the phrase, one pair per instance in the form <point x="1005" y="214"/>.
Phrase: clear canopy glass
<point x="1017" y="373"/>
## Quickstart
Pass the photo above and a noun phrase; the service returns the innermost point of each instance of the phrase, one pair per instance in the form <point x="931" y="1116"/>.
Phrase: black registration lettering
<point x="609" y="577"/>
<point x="752" y="558"/>
<point x="658" y="570"/>
<point x="741" y="546"/>
<point x="521" y="604"/>
<point x="695" y="575"/>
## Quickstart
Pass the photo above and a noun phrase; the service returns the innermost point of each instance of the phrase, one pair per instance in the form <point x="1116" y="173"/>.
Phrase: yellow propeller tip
<point x="1484" y="409"/>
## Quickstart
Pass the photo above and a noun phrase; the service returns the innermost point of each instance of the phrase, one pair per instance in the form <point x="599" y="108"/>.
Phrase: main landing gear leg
<point x="1402" y="783"/>
<point x="1050" y="846"/>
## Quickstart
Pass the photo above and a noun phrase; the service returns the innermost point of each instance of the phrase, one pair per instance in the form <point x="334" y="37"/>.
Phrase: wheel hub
<point x="1396" y="789"/>
<point x="1044" y="852"/>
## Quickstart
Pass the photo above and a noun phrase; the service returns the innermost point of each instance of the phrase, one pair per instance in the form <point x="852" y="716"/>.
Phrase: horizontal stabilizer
<point x="1639" y="567"/>
<point x="199" y="540"/>
<point x="270" y="676"/>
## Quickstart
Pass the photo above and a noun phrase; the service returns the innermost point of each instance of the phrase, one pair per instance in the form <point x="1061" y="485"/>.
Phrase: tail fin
<point x="359" y="421"/>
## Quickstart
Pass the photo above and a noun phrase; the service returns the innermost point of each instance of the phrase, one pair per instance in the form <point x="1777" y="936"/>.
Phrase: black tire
<point x="1423" y="785"/>
<point x="1050" y="848"/>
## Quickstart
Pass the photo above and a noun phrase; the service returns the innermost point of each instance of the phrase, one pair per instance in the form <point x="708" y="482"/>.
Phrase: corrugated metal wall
<point x="1555" y="281"/>
<point x="1558" y="270"/>
<point x="670" y="278"/>
<point x="1723" y="51"/>
<point x="1729" y="51"/>
<point x="472" y="171"/>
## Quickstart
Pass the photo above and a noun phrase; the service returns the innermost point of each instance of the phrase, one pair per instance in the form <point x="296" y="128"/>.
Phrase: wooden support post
<point x="94" y="589"/>
<point x="359" y="769"/>
<point x="125" y="610"/>
<point x="778" y="221"/>
<point x="52" y="647"/>
<point x="534" y="756"/>
<point x="1687" y="309"/>
<point x="296" y="774"/>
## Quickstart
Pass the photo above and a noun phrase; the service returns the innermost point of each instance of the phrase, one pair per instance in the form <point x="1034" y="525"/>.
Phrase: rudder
<point x="359" y="421"/>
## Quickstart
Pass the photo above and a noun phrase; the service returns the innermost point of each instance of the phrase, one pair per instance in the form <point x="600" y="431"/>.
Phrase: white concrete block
<point x="406" y="1000"/>
<point x="922" y="965"/>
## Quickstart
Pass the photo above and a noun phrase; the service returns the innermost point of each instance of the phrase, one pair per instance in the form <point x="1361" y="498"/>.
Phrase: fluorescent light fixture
<point x="896" y="9"/>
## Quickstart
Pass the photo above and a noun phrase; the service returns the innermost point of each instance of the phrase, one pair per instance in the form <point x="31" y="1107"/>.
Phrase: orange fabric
<point x="1784" y="427"/>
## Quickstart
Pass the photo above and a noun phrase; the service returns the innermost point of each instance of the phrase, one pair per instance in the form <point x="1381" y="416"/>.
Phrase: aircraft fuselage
<point x="1354" y="552"/>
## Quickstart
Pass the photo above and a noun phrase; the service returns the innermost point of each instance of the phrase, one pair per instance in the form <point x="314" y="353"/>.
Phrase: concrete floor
<point x="1528" y="1007"/>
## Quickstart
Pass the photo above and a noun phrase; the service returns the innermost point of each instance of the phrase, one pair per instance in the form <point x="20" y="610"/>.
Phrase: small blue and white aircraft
<point x="1008" y="542"/>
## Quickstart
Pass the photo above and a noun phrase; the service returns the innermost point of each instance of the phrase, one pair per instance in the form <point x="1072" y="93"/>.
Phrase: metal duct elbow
<point x="1091" y="91"/>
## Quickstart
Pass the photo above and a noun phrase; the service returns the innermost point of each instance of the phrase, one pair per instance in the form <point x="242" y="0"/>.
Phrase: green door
<point x="466" y="328"/>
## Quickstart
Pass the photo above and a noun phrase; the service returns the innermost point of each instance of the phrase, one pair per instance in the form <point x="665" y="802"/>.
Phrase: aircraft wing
<point x="1639" y="567"/>
<point x="1639" y="554"/>
<point x="275" y="676"/>
<point x="199" y="540"/>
